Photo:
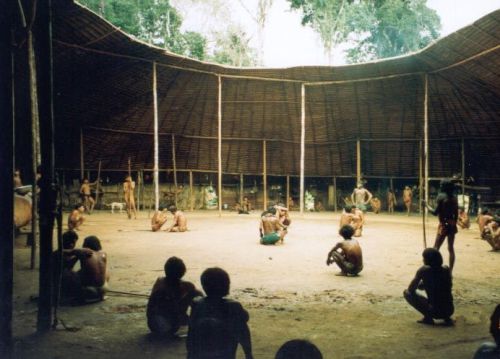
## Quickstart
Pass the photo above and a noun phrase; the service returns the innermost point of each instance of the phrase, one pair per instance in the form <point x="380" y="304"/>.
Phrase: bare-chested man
<point x="463" y="218"/>
<point x="86" y="193"/>
<point x="159" y="219"/>
<point x="347" y="254"/>
<point x="483" y="219"/>
<point x="76" y="218"/>
<point x="283" y="214"/>
<point x="492" y="233"/>
<point x="93" y="273"/>
<point x="447" y="211"/>
<point x="407" y="198"/>
<point x="17" y="178"/>
<point x="391" y="200"/>
<point x="360" y="197"/>
<point x="271" y="229"/>
<point x="179" y="222"/>
<point x="246" y="205"/>
<point x="128" y="193"/>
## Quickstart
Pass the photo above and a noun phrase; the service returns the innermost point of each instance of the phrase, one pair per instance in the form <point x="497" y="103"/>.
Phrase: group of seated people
<point x="489" y="228"/>
<point x="354" y="217"/>
<point x="160" y="217"/>
<point x="216" y="325"/>
<point x="274" y="224"/>
<point x="89" y="283"/>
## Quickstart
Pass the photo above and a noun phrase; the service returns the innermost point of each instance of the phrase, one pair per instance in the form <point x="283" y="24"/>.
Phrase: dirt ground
<point x="288" y="290"/>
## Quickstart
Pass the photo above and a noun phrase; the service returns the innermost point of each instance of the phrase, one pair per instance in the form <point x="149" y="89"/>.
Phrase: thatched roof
<point x="103" y="81"/>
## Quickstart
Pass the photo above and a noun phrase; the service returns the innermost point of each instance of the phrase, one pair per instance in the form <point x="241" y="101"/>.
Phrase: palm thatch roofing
<point x="103" y="90"/>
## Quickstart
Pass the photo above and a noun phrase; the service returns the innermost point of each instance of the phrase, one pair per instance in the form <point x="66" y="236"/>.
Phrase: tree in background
<point x="376" y="29"/>
<point x="232" y="48"/>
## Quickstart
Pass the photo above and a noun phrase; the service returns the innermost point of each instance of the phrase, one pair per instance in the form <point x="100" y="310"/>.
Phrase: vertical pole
<point x="82" y="159"/>
<point x="264" y="165"/>
<point x="288" y="192"/>
<point x="48" y="195"/>
<point x="335" y="194"/>
<point x="242" y="184"/>
<point x="174" y="163"/>
<point x="219" y="142"/>
<point x="302" y="143"/>
<point x="391" y="184"/>
<point x="463" y="171"/>
<point x="156" y="142"/>
<point x="358" y="161"/>
<point x="191" y="197"/>
<point x="6" y="193"/>
<point x="426" y="153"/>
<point x="98" y="183"/>
<point x="139" y="182"/>
<point x="420" y="176"/>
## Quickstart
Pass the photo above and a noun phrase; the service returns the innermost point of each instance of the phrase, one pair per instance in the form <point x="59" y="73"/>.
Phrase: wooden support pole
<point x="420" y="176"/>
<point x="264" y="165"/>
<point x="426" y="153"/>
<point x="156" y="141"/>
<point x="82" y="158"/>
<point x="463" y="171"/>
<point x="242" y="188"/>
<point x="139" y="182"/>
<point x="358" y="161"/>
<point x="335" y="194"/>
<point x="98" y="183"/>
<point x="288" y="192"/>
<point x="302" y="143"/>
<point x="174" y="163"/>
<point x="219" y="142"/>
<point x="6" y="193"/>
<point x="191" y="194"/>
<point x="391" y="184"/>
<point x="48" y="196"/>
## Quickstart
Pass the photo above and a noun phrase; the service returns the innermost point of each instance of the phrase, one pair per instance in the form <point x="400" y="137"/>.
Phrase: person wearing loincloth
<point x="407" y="199"/>
<point x="271" y="229"/>
<point x="86" y="193"/>
<point x="347" y="253"/>
<point x="360" y="197"/>
<point x="447" y="212"/>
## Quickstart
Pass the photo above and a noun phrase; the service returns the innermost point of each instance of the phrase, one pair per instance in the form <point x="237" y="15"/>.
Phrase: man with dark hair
<point x="447" y="212"/>
<point x="491" y="350"/>
<point x="170" y="299"/>
<point x="65" y="279"/>
<point x="492" y="233"/>
<point x="271" y="229"/>
<point x="86" y="193"/>
<point x="435" y="279"/>
<point x="76" y="218"/>
<point x="347" y="253"/>
<point x="93" y="274"/>
<point x="179" y="222"/>
<point x="298" y="349"/>
<point x="217" y="324"/>
<point x="159" y="219"/>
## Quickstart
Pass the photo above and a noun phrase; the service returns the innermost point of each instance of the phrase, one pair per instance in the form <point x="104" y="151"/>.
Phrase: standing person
<point x="246" y="205"/>
<point x="436" y="280"/>
<point x="407" y="199"/>
<point x="170" y="299"/>
<point x="271" y="229"/>
<point x="179" y="222"/>
<point x="346" y="254"/>
<point x="360" y="197"/>
<point x="86" y="193"/>
<point x="159" y="219"/>
<point x="447" y="212"/>
<point x="76" y="217"/>
<point x="217" y="324"/>
<point x="128" y="192"/>
<point x="391" y="200"/>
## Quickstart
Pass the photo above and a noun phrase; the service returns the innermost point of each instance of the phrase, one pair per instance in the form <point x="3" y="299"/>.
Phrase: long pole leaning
<point x="358" y="161"/>
<point x="264" y="165"/>
<point x="302" y="143"/>
<point x="219" y="143"/>
<point x="155" y="140"/>
<point x="6" y="193"/>
<point x="426" y="153"/>
<point x="174" y="163"/>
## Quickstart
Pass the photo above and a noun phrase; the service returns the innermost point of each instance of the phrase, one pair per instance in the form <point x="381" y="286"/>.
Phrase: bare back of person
<point x="158" y="220"/>
<point x="75" y="220"/>
<point x="93" y="268"/>
<point x="270" y="224"/>
<point x="352" y="252"/>
<point x="180" y="222"/>
<point x="346" y="218"/>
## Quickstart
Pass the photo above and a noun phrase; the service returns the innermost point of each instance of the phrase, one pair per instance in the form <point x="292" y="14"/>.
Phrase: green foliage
<point x="377" y="28"/>
<point x="196" y="45"/>
<point x="232" y="48"/>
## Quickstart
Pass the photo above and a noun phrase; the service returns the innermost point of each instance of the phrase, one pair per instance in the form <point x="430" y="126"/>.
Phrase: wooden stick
<point x="420" y="177"/>
<point x="82" y="159"/>
<point x="302" y="144"/>
<point x="139" y="181"/>
<point x="264" y="165"/>
<point x="98" y="182"/>
<point x="463" y="171"/>
<point x="155" y="139"/>
<point x="242" y="188"/>
<point x="358" y="161"/>
<point x="191" y="197"/>
<point x="288" y="192"/>
<point x="175" y="169"/>
<point x="335" y="194"/>
<point x="426" y="152"/>
<point x="219" y="142"/>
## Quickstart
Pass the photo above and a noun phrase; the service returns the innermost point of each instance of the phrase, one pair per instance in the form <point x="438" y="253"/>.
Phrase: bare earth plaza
<point x="266" y="173"/>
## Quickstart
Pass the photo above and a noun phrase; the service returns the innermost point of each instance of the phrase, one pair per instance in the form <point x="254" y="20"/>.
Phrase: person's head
<point x="172" y="209"/>
<point x="461" y="209"/>
<point x="85" y="180"/>
<point x="298" y="349"/>
<point x="271" y="210"/>
<point x="245" y="198"/>
<point x="161" y="208"/>
<point x="174" y="268"/>
<point x="69" y="239"/>
<point x="495" y="325"/>
<point x="128" y="179"/>
<point x="432" y="257"/>
<point x="359" y="185"/>
<point x="215" y="282"/>
<point x="17" y="173"/>
<point x="348" y="208"/>
<point x="485" y="211"/>
<point x="446" y="186"/>
<point x="92" y="242"/>
<point x="346" y="231"/>
<point x="79" y="207"/>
